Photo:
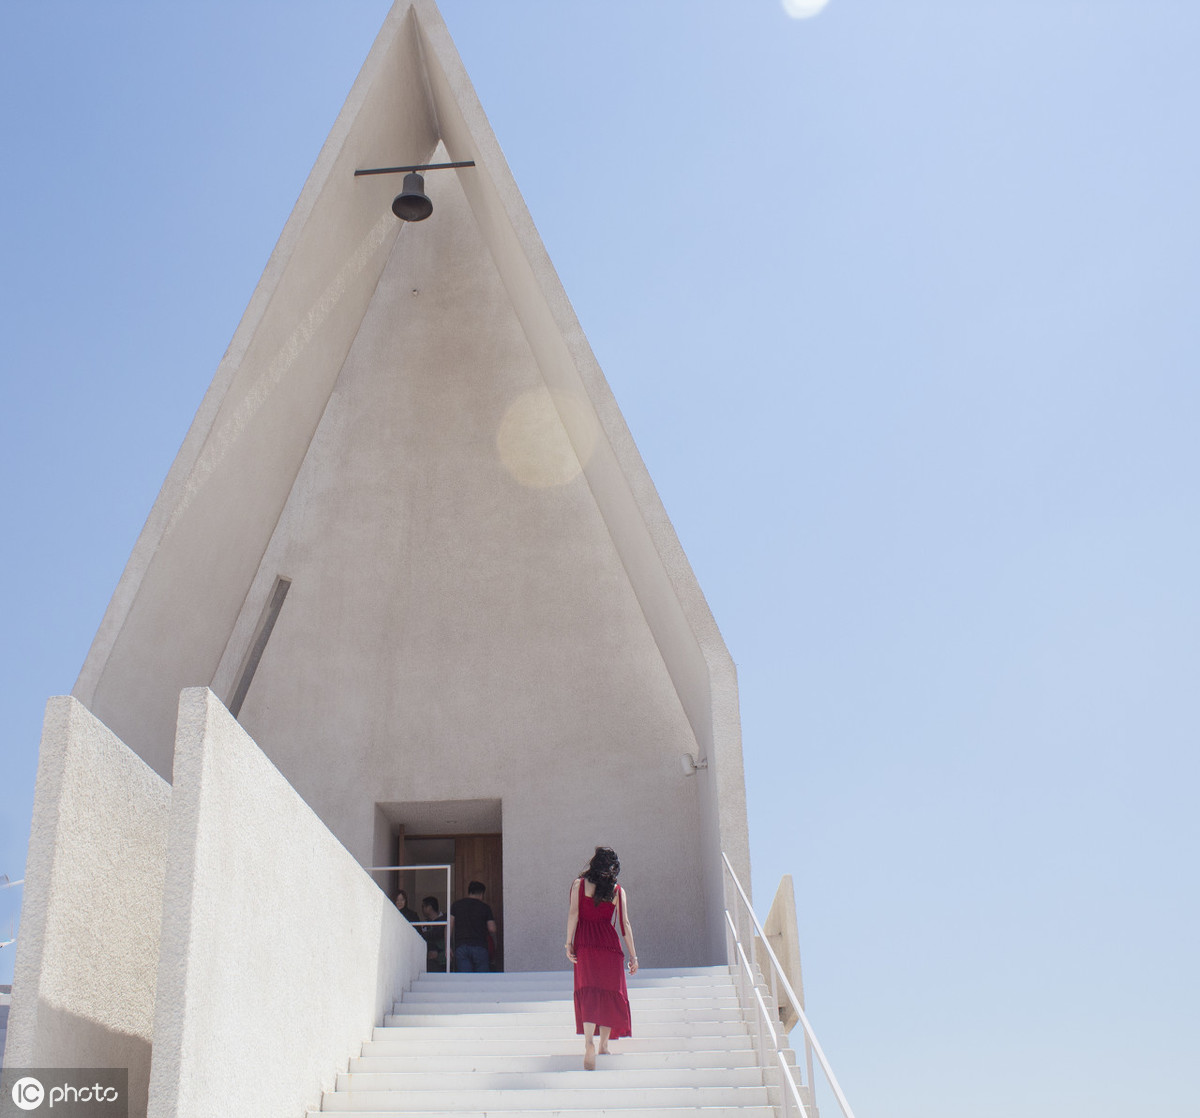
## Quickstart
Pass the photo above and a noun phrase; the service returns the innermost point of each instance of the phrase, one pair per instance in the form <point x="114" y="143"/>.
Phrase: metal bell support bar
<point x="412" y="204"/>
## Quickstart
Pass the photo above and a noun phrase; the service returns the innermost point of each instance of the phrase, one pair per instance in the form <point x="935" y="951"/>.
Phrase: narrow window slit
<point x="262" y="634"/>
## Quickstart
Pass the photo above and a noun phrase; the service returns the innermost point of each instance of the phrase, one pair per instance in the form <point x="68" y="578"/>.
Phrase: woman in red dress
<point x="597" y="922"/>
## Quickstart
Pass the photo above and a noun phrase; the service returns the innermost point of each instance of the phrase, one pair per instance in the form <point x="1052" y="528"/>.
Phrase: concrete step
<point x="669" y="995"/>
<point x="643" y="975"/>
<point x="543" y="980"/>
<point x="639" y="1001"/>
<point x="538" y="1033"/>
<point x="452" y="996"/>
<point x="505" y="1016"/>
<point x="448" y="994"/>
<point x="504" y="1046"/>
<point x="448" y="982"/>
<point x="465" y="1063"/>
<point x="532" y="996"/>
<point x="577" y="1112"/>
<point x="606" y="1075"/>
<point x="402" y="1042"/>
<point x="592" y="1098"/>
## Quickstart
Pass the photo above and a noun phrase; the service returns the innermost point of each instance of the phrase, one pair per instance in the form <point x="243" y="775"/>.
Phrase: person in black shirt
<point x="435" y="936"/>
<point x="470" y="923"/>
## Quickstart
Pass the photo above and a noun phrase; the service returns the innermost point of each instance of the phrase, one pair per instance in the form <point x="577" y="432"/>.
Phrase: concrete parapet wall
<point x="279" y="954"/>
<point x="783" y="935"/>
<point x="85" y="970"/>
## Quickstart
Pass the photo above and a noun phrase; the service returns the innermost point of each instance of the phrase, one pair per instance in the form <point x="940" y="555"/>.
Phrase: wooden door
<point x="479" y="858"/>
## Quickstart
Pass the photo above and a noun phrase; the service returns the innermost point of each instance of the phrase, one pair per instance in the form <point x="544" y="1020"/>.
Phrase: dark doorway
<point x="473" y="858"/>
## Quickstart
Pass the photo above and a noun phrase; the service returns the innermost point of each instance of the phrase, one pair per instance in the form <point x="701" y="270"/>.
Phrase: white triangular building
<point x="486" y="601"/>
<point x="409" y="544"/>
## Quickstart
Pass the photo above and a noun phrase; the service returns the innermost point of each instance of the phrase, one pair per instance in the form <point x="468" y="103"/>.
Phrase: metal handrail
<point x="429" y="923"/>
<point x="764" y="1018"/>
<point x="789" y="1080"/>
<point x="779" y="979"/>
<point x="790" y="1084"/>
<point x="746" y="974"/>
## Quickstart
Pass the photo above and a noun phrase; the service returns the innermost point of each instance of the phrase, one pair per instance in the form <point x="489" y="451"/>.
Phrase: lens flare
<point x="533" y="441"/>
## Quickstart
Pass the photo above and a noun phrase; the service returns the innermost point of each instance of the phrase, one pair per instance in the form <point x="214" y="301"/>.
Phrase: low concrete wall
<point x="87" y="952"/>
<point x="278" y="952"/>
<point x="783" y="935"/>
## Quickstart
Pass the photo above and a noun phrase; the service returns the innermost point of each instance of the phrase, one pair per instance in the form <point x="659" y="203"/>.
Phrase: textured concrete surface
<point x="783" y="934"/>
<point x="84" y="973"/>
<point x="462" y="633"/>
<point x="279" y="954"/>
<point x="5" y="1006"/>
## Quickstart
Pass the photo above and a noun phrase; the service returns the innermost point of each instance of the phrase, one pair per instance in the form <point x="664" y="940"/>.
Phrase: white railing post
<point x="789" y="1087"/>
<point x="743" y="971"/>
<point x="808" y="1065"/>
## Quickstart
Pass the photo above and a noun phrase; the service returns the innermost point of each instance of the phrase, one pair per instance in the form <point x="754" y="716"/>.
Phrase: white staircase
<point x="470" y="1045"/>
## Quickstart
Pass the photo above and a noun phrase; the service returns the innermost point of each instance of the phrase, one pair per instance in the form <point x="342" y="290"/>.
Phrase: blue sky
<point x="900" y="304"/>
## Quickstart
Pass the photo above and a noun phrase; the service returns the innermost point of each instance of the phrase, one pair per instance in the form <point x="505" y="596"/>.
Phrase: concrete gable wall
<point x="467" y="606"/>
<point x="459" y="623"/>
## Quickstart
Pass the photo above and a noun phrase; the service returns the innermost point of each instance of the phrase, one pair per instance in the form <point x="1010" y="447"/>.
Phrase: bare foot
<point x="603" y="1048"/>
<point x="589" y="1058"/>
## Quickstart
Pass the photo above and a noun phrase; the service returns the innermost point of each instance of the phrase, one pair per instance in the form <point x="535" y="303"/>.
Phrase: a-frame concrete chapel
<point x="408" y="576"/>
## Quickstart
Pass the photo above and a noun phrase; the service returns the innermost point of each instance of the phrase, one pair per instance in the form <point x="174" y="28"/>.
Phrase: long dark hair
<point x="602" y="872"/>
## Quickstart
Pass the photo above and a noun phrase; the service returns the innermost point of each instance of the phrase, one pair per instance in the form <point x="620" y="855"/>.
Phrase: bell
<point x="411" y="204"/>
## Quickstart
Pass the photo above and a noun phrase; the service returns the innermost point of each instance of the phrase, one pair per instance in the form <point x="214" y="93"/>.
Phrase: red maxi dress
<point x="600" y="994"/>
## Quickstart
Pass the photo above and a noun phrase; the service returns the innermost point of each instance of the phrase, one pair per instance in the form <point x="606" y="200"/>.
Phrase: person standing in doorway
<point x="402" y="905"/>
<point x="435" y="934"/>
<point x="471" y="922"/>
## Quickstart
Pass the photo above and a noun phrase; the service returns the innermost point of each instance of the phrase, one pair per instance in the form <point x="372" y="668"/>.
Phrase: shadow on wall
<point x="92" y="1045"/>
<point x="392" y="977"/>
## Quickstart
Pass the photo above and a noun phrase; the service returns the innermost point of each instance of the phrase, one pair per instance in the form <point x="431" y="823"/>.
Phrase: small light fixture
<point x="690" y="765"/>
<point x="412" y="203"/>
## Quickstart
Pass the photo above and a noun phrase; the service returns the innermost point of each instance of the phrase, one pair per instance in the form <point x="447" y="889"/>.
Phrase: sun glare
<point x="803" y="9"/>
